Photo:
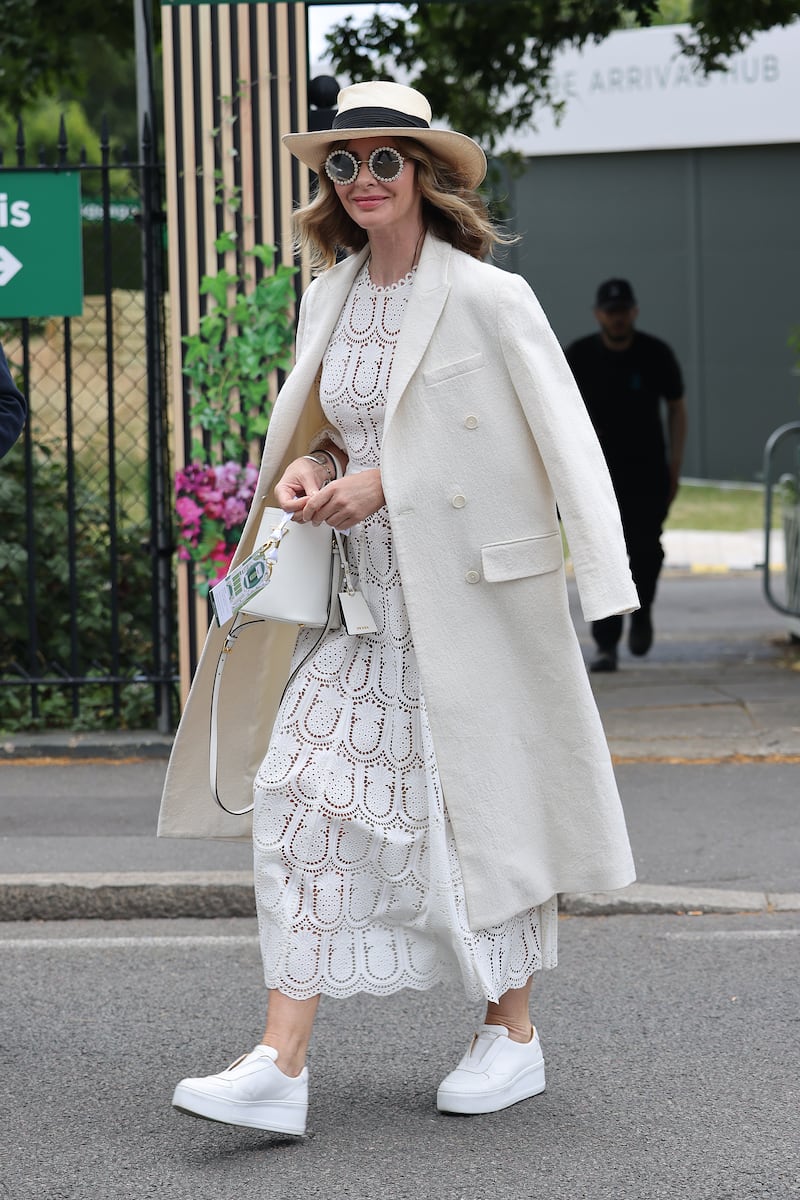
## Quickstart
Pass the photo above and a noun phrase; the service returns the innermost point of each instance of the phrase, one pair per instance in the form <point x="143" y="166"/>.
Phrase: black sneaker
<point x="604" y="660"/>
<point x="640" y="634"/>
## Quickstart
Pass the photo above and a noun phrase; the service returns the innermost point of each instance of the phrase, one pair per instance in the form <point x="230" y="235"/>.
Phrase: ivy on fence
<point x="246" y="335"/>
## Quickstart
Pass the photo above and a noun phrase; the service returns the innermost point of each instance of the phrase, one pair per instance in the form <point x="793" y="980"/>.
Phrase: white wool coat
<point x="486" y="441"/>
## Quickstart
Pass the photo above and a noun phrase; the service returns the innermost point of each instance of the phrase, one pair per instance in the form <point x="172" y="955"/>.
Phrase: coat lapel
<point x="425" y="304"/>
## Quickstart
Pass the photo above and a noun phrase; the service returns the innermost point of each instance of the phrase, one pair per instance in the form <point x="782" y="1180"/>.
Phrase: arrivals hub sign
<point x="41" y="265"/>
<point x="636" y="91"/>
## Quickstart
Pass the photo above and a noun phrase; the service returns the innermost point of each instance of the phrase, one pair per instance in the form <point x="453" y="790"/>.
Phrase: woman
<point x="427" y="789"/>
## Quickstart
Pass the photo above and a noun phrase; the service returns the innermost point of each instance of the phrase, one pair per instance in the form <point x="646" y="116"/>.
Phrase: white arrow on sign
<point x="9" y="265"/>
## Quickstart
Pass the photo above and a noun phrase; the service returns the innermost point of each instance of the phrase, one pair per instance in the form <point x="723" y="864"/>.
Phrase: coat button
<point x="459" y="501"/>
<point x="473" y="576"/>
<point x="471" y="422"/>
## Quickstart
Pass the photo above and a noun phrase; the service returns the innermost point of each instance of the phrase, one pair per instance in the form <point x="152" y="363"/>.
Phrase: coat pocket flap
<point x="452" y="370"/>
<point x="527" y="556"/>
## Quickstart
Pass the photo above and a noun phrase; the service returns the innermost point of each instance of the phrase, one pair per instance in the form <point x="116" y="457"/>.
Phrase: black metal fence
<point x="86" y="639"/>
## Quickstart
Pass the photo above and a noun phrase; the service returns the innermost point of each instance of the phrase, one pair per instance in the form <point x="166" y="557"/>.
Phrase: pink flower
<point x="187" y="509"/>
<point x="247" y="486"/>
<point x="212" y="502"/>
<point x="234" y="512"/>
<point x="227" y="477"/>
<point x="190" y="515"/>
<point x="192" y="477"/>
<point x="221" y="555"/>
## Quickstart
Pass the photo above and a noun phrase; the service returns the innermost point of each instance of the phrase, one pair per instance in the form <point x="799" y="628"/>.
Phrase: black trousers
<point x="643" y="507"/>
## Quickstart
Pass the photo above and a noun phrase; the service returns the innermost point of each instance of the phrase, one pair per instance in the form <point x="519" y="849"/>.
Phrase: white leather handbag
<point x="306" y="573"/>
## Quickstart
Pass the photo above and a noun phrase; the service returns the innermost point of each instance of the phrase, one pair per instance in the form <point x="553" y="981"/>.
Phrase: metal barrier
<point x="87" y="639"/>
<point x="788" y="485"/>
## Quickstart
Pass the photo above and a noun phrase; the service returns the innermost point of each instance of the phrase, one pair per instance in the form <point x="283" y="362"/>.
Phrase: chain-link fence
<point x="86" y="639"/>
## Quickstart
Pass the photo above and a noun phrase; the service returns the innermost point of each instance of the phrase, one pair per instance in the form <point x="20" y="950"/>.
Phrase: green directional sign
<point x="41" y="264"/>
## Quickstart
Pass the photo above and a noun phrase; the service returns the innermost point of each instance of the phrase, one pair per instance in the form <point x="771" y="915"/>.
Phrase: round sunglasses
<point x="385" y="164"/>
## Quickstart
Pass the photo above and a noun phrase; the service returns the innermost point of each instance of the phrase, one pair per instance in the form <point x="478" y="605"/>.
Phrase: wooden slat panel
<point x="249" y="96"/>
<point x="204" y="88"/>
<point x="202" y="96"/>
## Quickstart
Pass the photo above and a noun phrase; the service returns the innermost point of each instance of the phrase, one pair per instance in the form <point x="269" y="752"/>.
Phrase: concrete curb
<point x="65" y="744"/>
<point x="649" y="898"/>
<point x="125" y="896"/>
<point x="113" y="896"/>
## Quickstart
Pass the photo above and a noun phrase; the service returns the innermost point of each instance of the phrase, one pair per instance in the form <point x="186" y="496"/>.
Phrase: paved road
<point x="724" y="826"/>
<point x="670" y="1044"/>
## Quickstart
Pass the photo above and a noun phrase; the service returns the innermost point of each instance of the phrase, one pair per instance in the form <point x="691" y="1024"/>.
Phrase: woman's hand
<point x="301" y="479"/>
<point x="345" y="502"/>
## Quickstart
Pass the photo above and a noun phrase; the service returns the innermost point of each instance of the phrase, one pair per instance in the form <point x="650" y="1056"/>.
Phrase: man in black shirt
<point x="624" y="376"/>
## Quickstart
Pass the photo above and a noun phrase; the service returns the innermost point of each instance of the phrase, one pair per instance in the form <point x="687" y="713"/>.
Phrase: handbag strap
<point x="230" y="641"/>
<point x="337" y="549"/>
<point x="338" y="540"/>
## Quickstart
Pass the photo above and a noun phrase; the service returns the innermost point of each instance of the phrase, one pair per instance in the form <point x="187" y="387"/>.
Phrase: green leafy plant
<point x="241" y="340"/>
<point x="60" y="649"/>
<point x="246" y="335"/>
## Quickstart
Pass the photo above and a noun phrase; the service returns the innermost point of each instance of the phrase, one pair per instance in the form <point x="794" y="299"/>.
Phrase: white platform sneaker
<point x="494" y="1073"/>
<point x="252" y="1091"/>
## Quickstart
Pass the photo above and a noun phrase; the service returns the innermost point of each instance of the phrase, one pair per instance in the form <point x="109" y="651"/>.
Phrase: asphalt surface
<point x="669" y="1043"/>
<point x="669" y="1034"/>
<point x="705" y="732"/>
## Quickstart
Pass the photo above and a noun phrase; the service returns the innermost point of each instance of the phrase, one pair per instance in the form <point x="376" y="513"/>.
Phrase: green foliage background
<point x="52" y="586"/>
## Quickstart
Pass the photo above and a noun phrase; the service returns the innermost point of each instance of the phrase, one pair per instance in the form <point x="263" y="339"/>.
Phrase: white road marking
<point x="112" y="943"/>
<point x="711" y="935"/>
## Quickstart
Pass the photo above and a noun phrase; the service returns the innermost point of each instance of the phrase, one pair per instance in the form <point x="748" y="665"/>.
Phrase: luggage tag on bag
<point x="356" y="616"/>
<point x="246" y="581"/>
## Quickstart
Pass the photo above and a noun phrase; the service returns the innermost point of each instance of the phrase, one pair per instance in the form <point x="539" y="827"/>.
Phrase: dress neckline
<point x="389" y="287"/>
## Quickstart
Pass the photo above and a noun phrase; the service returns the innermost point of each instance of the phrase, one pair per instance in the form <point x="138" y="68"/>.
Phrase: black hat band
<point x="377" y="118"/>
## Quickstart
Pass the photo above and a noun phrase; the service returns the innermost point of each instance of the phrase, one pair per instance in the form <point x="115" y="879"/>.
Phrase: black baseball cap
<point x="615" y="293"/>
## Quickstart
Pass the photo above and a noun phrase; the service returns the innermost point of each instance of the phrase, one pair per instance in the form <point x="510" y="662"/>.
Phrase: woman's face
<point x="375" y="205"/>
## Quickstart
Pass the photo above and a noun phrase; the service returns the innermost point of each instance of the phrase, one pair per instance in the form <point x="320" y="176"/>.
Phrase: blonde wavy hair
<point x="451" y="210"/>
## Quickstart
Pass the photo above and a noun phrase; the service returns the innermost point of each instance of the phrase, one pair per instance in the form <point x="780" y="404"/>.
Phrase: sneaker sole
<point x="529" y="1083"/>
<point x="283" y="1117"/>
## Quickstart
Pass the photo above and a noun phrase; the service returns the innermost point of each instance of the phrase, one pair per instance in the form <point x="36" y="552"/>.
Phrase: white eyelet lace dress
<point x="358" y="884"/>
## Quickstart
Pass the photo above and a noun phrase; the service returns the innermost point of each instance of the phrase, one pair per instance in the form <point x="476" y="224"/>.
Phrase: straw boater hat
<point x="383" y="109"/>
